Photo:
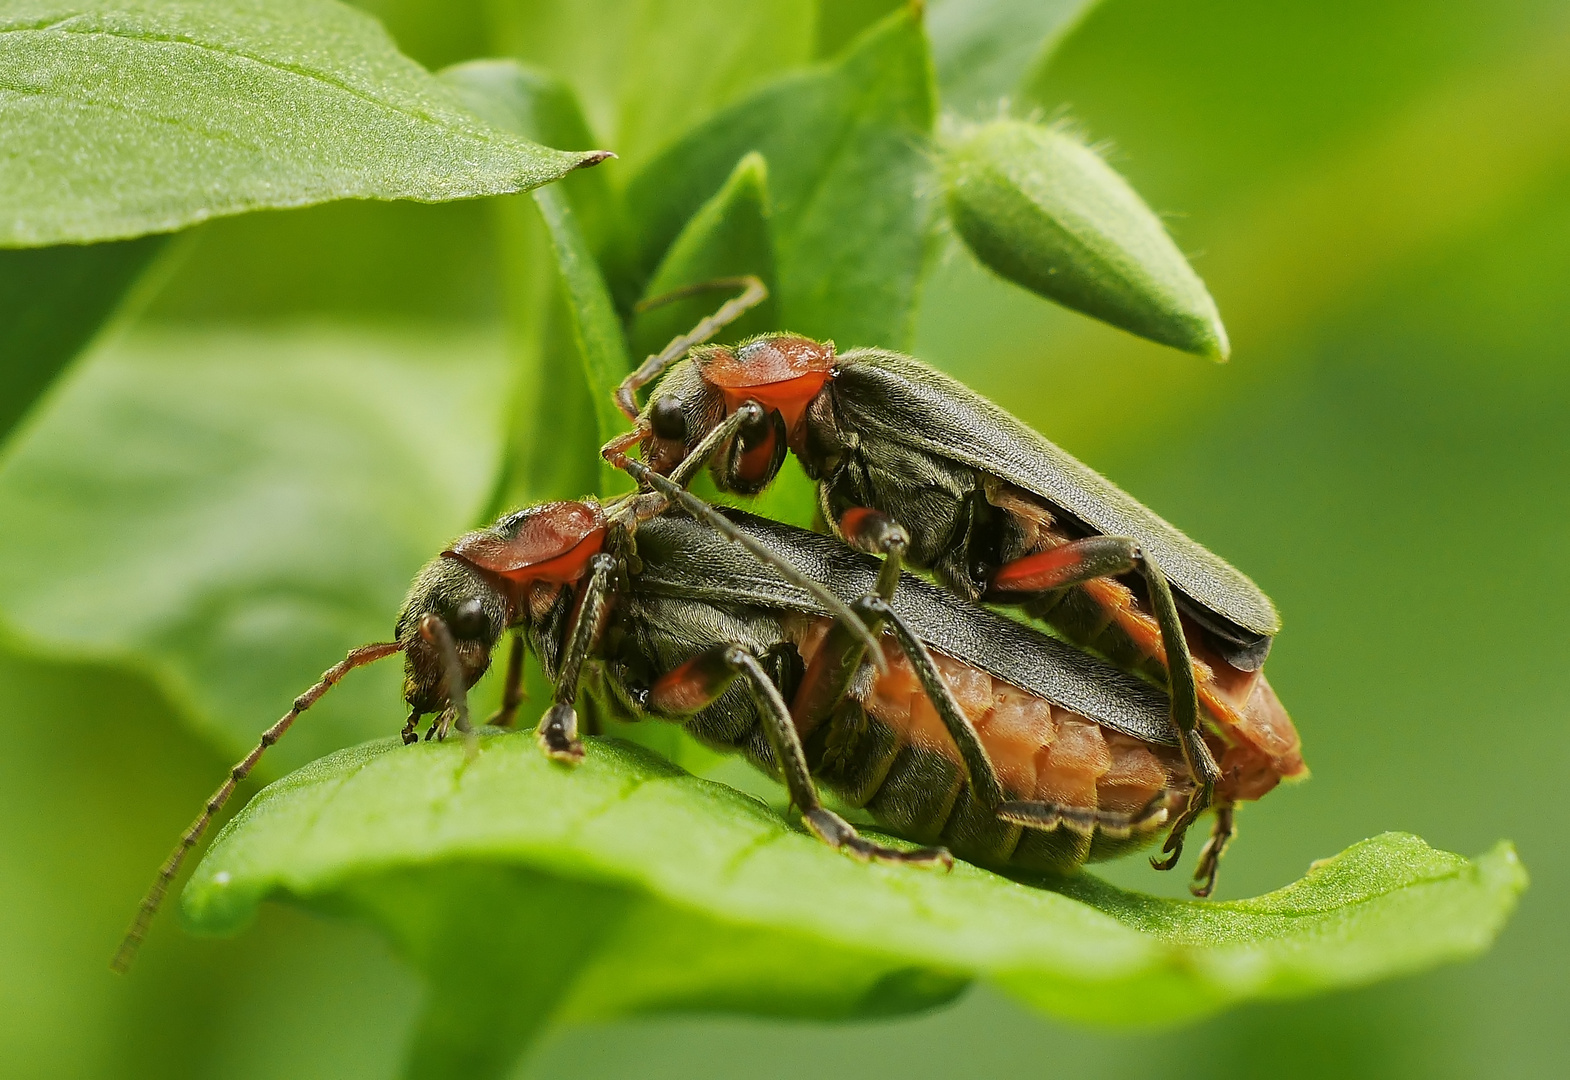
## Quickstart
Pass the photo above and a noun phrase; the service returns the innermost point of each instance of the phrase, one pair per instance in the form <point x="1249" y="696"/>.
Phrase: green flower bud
<point x="1043" y="210"/>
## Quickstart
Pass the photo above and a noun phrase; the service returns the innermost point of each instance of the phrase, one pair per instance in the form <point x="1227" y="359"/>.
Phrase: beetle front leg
<point x="558" y="730"/>
<point x="699" y="682"/>
<point x="1108" y="556"/>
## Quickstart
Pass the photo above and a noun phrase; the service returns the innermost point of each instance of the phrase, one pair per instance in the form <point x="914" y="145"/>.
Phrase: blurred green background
<point x="1378" y="195"/>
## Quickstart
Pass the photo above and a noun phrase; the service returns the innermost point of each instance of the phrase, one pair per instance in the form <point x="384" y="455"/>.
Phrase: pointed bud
<point x="1042" y="209"/>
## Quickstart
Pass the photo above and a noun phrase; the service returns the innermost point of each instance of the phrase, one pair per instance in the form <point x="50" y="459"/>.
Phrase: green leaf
<point x="535" y="105"/>
<point x="520" y="99"/>
<point x="985" y="50"/>
<point x="596" y="330"/>
<point x="839" y="22"/>
<point x="1042" y="209"/>
<point x="52" y="303"/>
<point x="649" y="70"/>
<point x="676" y="893"/>
<point x="554" y="428"/>
<point x="727" y="237"/>
<point x="130" y="119"/>
<point x="229" y="512"/>
<point x="349" y="261"/>
<point x="849" y="176"/>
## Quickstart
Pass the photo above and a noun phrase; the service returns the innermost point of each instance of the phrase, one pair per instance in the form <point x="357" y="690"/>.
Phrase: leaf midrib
<point x="453" y="120"/>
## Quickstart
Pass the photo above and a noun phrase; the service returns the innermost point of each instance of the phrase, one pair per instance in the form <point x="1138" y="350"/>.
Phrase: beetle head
<point x="783" y="373"/>
<point x="490" y="579"/>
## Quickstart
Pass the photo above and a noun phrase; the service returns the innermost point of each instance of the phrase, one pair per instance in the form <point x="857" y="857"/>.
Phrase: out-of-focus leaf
<point x="229" y="512"/>
<point x="1043" y="210"/>
<point x="353" y="260"/>
<point x="52" y="303"/>
<point x="596" y="330"/>
<point x="436" y="33"/>
<point x="839" y="22"/>
<point x="146" y="117"/>
<point x="984" y="50"/>
<point x="536" y="105"/>
<point x="727" y="237"/>
<point x="849" y="176"/>
<point x="553" y="430"/>
<point x="647" y="70"/>
<point x="754" y="916"/>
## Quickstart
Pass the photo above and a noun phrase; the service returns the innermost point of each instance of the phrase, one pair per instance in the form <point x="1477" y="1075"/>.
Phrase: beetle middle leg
<point x="829" y="674"/>
<point x="1093" y="557"/>
<point x="512" y="687"/>
<point x="701" y="681"/>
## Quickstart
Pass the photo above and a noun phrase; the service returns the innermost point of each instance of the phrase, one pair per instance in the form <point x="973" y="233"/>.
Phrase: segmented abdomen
<point x="1261" y="745"/>
<point x="890" y="753"/>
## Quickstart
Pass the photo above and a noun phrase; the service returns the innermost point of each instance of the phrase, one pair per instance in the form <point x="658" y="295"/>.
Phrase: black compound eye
<point x="667" y="419"/>
<point x="468" y="620"/>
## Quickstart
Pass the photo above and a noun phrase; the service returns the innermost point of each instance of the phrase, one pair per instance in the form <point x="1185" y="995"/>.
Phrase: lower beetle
<point x="994" y="510"/>
<point x="954" y="726"/>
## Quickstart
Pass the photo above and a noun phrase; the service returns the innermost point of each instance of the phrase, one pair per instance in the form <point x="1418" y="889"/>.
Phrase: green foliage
<point x="662" y="892"/>
<point x="193" y="110"/>
<point x="52" y="302"/>
<point x="988" y="50"/>
<point x="1042" y="209"/>
<point x="172" y="510"/>
<point x="847" y="166"/>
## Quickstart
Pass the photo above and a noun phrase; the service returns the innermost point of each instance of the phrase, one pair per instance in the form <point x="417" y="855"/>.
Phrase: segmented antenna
<point x="166" y="873"/>
<point x="754" y="292"/>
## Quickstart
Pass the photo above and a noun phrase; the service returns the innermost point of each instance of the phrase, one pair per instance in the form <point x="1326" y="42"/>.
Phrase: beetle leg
<point x="1221" y="835"/>
<point x="754" y="293"/>
<point x="512" y="688"/>
<point x="1107" y="556"/>
<point x="700" y="681"/>
<point x="1085" y="820"/>
<point x="558" y="730"/>
<point x="877" y="533"/>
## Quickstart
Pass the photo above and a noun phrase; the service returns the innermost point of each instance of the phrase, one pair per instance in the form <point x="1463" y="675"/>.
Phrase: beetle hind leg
<point x="701" y="681"/>
<point x="835" y="831"/>
<point x="1221" y="835"/>
<point x="1082" y="561"/>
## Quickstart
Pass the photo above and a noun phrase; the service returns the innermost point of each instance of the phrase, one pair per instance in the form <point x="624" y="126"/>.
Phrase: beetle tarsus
<point x="558" y="734"/>
<point x="835" y="831"/>
<point x="1221" y="835"/>
<point x="1198" y="803"/>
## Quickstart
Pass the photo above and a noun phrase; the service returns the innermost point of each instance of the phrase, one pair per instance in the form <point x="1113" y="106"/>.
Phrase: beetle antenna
<point x="132" y="941"/>
<point x="754" y="292"/>
<point x="727" y="528"/>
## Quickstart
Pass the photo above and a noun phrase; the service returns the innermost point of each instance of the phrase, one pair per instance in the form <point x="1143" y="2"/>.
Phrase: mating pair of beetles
<point x="822" y="662"/>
